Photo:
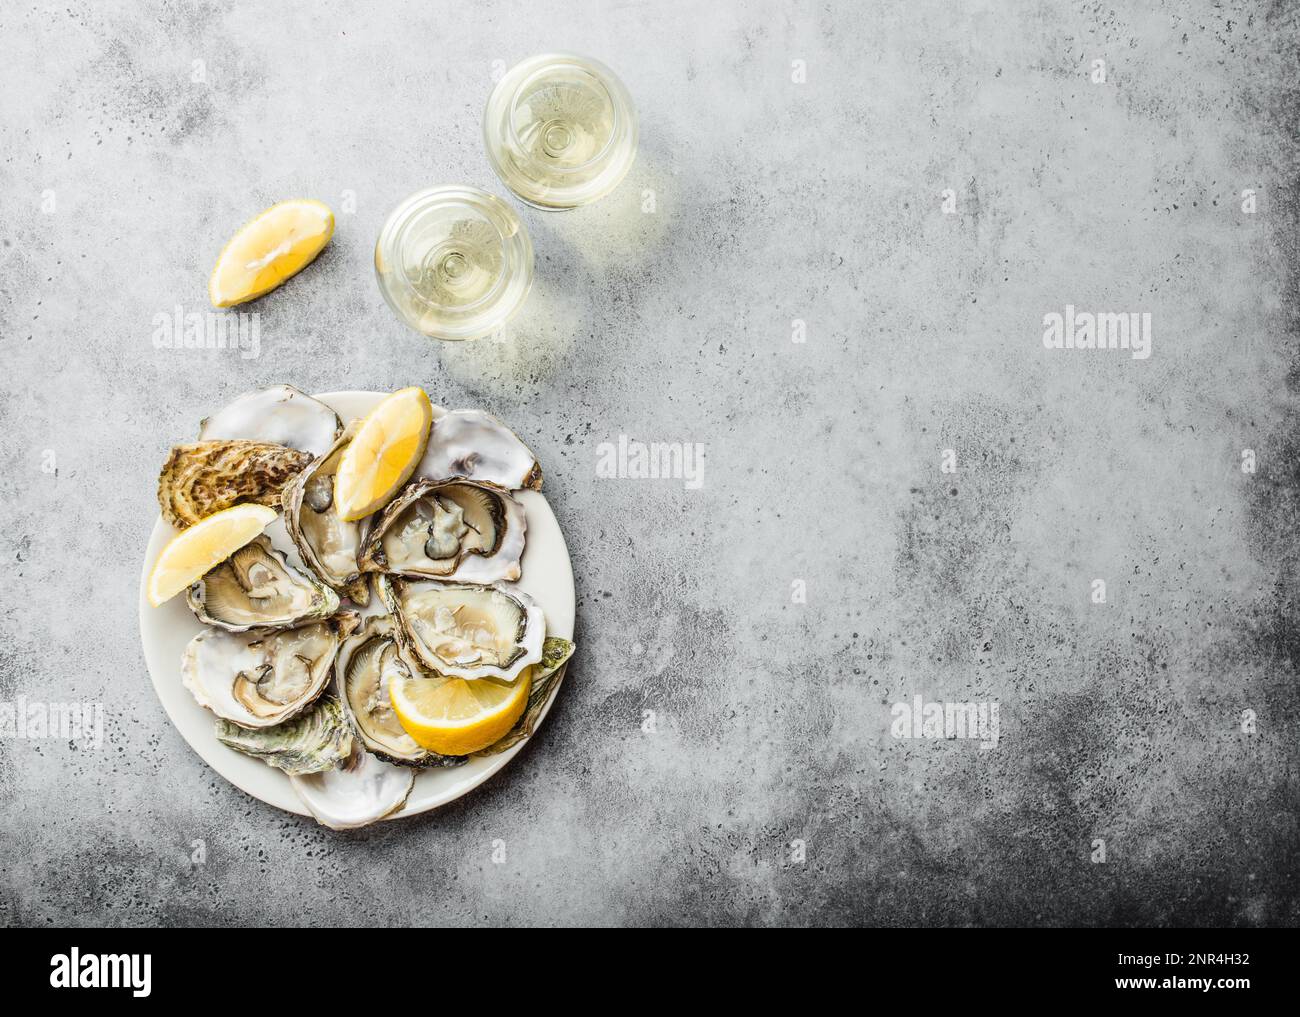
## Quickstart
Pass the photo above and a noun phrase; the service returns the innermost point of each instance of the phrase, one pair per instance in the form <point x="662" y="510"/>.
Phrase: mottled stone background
<point x="775" y="201"/>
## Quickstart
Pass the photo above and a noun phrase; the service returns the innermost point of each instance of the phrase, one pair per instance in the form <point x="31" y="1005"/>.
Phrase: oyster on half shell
<point x="257" y="588"/>
<point x="281" y="415"/>
<point x="465" y="631"/>
<point x="474" y="445"/>
<point x="454" y="530"/>
<point x="367" y="662"/>
<point x="328" y="545"/>
<point x="258" y="679"/>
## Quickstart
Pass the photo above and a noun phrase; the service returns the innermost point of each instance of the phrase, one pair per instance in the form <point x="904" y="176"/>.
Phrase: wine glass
<point x="560" y="130"/>
<point x="454" y="262"/>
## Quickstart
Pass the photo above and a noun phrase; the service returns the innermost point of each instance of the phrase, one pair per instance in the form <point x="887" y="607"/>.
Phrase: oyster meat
<point x="317" y="739"/>
<point x="281" y="415"/>
<point x="473" y="445"/>
<point x="328" y="545"/>
<point x="367" y="662"/>
<point x="257" y="588"/>
<point x="455" y="530"/>
<point x="465" y="631"/>
<point x="204" y="477"/>
<point x="365" y="789"/>
<point x="259" y="679"/>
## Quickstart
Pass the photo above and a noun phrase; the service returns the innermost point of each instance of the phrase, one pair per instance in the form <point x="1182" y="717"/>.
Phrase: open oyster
<point x="458" y="530"/>
<point x="465" y="631"/>
<point x="328" y="545"/>
<point x="257" y="588"/>
<point x="204" y="477"/>
<point x="258" y="679"/>
<point x="361" y="791"/>
<point x="473" y="445"/>
<point x="317" y="739"/>
<point x="281" y="415"/>
<point x="368" y="660"/>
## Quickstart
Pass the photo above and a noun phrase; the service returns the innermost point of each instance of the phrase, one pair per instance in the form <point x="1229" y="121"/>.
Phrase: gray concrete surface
<point x="774" y="201"/>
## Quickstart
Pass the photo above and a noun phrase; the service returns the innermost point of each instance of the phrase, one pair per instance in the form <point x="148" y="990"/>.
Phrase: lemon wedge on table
<point x="194" y="552"/>
<point x="267" y="250"/>
<point x="384" y="453"/>
<point x="457" y="716"/>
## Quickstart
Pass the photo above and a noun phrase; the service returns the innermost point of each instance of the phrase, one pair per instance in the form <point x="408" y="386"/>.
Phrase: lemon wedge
<point x="267" y="250"/>
<point x="385" y="452"/>
<point x="456" y="716"/>
<point x="196" y="551"/>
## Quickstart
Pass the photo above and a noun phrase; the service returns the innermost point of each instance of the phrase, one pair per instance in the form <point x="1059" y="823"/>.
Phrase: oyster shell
<point x="317" y="739"/>
<point x="456" y="530"/>
<point x="281" y="415"/>
<point x="365" y="789"/>
<point x="465" y="631"/>
<point x="328" y="545"/>
<point x="260" y="679"/>
<point x="257" y="588"/>
<point x="204" y="477"/>
<point x="474" y="445"/>
<point x="367" y="661"/>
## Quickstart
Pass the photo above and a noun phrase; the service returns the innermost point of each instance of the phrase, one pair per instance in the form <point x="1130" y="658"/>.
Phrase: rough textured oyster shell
<point x="459" y="530"/>
<point x="327" y="545"/>
<point x="281" y="415"/>
<point x="465" y="631"/>
<point x="257" y="588"/>
<point x="260" y="679"/>
<point x="367" y="661"/>
<point x="317" y="739"/>
<point x="474" y="445"/>
<point x="207" y="476"/>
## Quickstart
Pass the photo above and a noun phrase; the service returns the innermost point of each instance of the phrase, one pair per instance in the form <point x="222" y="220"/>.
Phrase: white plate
<point x="547" y="576"/>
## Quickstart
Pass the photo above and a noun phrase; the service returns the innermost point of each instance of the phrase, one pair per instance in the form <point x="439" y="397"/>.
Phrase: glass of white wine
<point x="560" y="130"/>
<point x="454" y="262"/>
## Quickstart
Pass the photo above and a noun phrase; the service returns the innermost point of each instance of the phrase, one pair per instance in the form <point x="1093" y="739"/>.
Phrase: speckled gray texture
<point x="774" y="200"/>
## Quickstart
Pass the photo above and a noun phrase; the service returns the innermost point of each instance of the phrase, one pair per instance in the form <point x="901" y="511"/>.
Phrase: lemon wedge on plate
<point x="266" y="251"/>
<point x="196" y="551"/>
<point x="457" y="716"/>
<point x="384" y="453"/>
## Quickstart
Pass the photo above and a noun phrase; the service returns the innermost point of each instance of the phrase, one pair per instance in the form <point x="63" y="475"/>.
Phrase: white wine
<point x="560" y="130"/>
<point x="454" y="262"/>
